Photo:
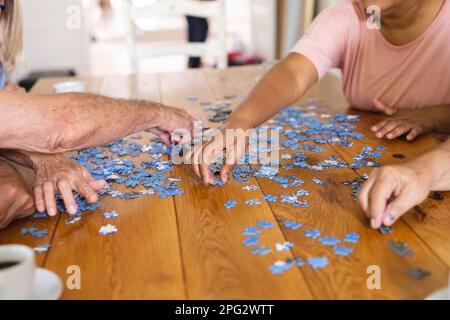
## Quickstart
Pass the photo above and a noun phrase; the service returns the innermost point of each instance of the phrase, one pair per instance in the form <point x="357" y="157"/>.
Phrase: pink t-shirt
<point x="410" y="76"/>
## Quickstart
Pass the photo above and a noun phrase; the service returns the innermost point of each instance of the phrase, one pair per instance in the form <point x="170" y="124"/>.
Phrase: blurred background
<point x="111" y="37"/>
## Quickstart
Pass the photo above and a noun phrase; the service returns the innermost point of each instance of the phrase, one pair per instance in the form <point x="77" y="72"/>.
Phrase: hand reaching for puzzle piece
<point x="57" y="173"/>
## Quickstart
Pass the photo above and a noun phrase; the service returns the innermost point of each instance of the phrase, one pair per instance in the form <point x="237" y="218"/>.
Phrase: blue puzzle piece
<point x="315" y="233"/>
<point x="40" y="215"/>
<point x="385" y="229"/>
<point x="265" y="224"/>
<point x="318" y="181"/>
<point x="352" y="237"/>
<point x="269" y="198"/>
<point x="261" y="250"/>
<point x="252" y="202"/>
<point x="342" y="251"/>
<point x="251" y="231"/>
<point x="292" y="225"/>
<point x="400" y="248"/>
<point x="230" y="204"/>
<point x="318" y="262"/>
<point x="329" y="241"/>
<point x="251" y="241"/>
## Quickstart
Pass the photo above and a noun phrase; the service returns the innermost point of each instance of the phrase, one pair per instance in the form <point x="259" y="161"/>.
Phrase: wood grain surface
<point x="190" y="247"/>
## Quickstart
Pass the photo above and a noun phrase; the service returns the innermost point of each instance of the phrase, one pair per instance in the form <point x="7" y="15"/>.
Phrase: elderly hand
<point x="173" y="126"/>
<point x="57" y="173"/>
<point x="15" y="199"/>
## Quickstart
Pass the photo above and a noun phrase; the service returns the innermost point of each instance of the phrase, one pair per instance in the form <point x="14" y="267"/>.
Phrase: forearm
<point x="19" y="157"/>
<point x="441" y="115"/>
<point x="57" y="123"/>
<point x="434" y="167"/>
<point x="28" y="159"/>
<point x="283" y="85"/>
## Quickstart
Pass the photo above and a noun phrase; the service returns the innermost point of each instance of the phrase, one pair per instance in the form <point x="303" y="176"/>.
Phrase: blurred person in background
<point x="198" y="28"/>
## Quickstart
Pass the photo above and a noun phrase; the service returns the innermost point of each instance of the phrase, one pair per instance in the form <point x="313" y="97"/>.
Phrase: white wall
<point x="48" y="42"/>
<point x="264" y="27"/>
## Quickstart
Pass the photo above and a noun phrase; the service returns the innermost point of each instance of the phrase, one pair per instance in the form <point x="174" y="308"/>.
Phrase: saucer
<point x="69" y="86"/>
<point x="439" y="295"/>
<point x="47" y="285"/>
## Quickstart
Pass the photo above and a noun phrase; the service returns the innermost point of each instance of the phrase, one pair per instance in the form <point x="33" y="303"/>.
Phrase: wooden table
<point x="191" y="246"/>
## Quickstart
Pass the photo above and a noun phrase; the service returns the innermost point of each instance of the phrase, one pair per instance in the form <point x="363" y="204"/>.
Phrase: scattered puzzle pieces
<point x="34" y="232"/>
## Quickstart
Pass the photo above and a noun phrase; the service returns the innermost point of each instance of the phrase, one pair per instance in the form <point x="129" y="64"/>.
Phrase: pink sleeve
<point x="325" y="41"/>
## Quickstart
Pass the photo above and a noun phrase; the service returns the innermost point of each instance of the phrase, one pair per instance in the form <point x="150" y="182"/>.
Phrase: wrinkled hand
<point x="15" y="199"/>
<point x="57" y="173"/>
<point x="13" y="87"/>
<point x="391" y="191"/>
<point x="175" y="126"/>
<point x="411" y="123"/>
<point x="218" y="147"/>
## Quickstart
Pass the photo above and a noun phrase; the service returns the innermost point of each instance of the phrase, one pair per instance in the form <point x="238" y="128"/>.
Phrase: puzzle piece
<point x="315" y="233"/>
<point x="252" y="202"/>
<point x="230" y="204"/>
<point x="40" y="248"/>
<point x="317" y="262"/>
<point x="270" y="198"/>
<point x="265" y="224"/>
<point x="40" y="215"/>
<point x="329" y="241"/>
<point x="261" y="250"/>
<point x="281" y="266"/>
<point x="286" y="246"/>
<point x="385" y="229"/>
<point x="400" y="248"/>
<point x="418" y="273"/>
<point x="34" y="232"/>
<point x="352" y="237"/>
<point x="108" y="229"/>
<point x="250" y="188"/>
<point x="109" y="215"/>
<point x="251" y="231"/>
<point x="318" y="181"/>
<point x="342" y="251"/>
<point x="292" y="225"/>
<point x="251" y="241"/>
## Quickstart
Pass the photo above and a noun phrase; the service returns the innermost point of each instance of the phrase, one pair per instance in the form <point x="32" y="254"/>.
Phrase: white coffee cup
<point x="16" y="281"/>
